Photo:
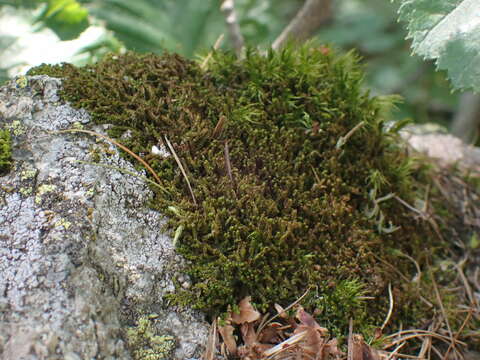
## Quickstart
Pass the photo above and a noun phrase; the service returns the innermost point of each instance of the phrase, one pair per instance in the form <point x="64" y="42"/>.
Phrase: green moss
<point x="292" y="167"/>
<point x="144" y="344"/>
<point x="5" y="152"/>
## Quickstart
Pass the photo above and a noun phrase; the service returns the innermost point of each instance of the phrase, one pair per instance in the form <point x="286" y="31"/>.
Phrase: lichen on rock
<point x="146" y="344"/>
<point x="81" y="257"/>
<point x="292" y="167"/>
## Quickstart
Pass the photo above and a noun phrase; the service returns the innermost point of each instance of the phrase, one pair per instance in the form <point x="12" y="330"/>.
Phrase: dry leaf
<point x="211" y="343"/>
<point x="271" y="333"/>
<point x="281" y="312"/>
<point x="227" y="335"/>
<point x="362" y="351"/>
<point x="248" y="334"/>
<point x="331" y="349"/>
<point x="309" y="321"/>
<point x="247" y="313"/>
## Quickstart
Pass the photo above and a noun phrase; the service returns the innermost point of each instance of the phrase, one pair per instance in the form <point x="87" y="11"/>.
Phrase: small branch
<point x="228" y="9"/>
<point x="308" y="20"/>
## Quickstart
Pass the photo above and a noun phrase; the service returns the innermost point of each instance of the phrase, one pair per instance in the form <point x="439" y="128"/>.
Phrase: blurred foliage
<point x="5" y="43"/>
<point x="448" y="32"/>
<point x="191" y="27"/>
<point x="97" y="49"/>
<point x="371" y="27"/>
<point x="67" y="18"/>
<point x="187" y="26"/>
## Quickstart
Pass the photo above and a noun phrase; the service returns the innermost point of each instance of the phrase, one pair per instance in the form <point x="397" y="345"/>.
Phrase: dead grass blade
<point x="452" y="345"/>
<point x="390" y="308"/>
<point x="123" y="147"/>
<point x="212" y="341"/>
<point x="217" y="44"/>
<point x="417" y="333"/>
<point x="179" y="163"/>
<point x="260" y="328"/>
<point x="228" y="165"/>
<point x="219" y="127"/>
<point x="153" y="183"/>
<point x="350" y="340"/>
<point x="440" y="303"/>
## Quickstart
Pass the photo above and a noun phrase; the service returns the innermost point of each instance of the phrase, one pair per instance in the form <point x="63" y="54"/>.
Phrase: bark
<point x="308" y="20"/>
<point x="228" y="9"/>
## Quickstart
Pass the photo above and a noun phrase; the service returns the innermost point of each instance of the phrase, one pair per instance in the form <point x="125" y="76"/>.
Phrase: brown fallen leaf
<point x="247" y="313"/>
<point x="361" y="350"/>
<point x="227" y="335"/>
<point x="211" y="345"/>
<point x="309" y="321"/>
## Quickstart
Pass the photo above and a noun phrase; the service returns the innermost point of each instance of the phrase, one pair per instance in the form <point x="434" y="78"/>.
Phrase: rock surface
<point x="81" y="257"/>
<point x="446" y="148"/>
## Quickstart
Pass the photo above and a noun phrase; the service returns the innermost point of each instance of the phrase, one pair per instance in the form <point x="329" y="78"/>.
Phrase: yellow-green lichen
<point x="292" y="167"/>
<point x="17" y="128"/>
<point x="26" y="191"/>
<point x="21" y="81"/>
<point x="63" y="223"/>
<point x="43" y="189"/>
<point x="145" y="344"/>
<point x="5" y="151"/>
<point x="28" y="174"/>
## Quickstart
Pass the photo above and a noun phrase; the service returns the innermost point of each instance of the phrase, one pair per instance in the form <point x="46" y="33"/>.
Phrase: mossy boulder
<point x="290" y="176"/>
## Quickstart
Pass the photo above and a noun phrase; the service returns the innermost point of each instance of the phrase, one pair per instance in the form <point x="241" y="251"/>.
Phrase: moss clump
<point x="291" y="165"/>
<point x="5" y="151"/>
<point x="144" y="344"/>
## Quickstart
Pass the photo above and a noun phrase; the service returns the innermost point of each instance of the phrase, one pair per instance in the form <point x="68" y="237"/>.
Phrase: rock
<point x="445" y="148"/>
<point x="81" y="256"/>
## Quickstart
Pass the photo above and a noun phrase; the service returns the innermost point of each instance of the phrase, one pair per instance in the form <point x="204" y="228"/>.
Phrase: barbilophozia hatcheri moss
<point x="292" y="167"/>
<point x="5" y="151"/>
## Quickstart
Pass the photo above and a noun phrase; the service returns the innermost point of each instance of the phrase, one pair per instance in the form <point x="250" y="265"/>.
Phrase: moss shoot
<point x="292" y="167"/>
<point x="5" y="151"/>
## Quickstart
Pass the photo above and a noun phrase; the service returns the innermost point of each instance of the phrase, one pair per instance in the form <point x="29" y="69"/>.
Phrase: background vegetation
<point x="191" y="27"/>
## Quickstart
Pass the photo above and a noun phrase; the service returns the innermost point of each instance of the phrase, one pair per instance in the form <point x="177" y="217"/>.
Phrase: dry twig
<point x="311" y="16"/>
<point x="228" y="9"/>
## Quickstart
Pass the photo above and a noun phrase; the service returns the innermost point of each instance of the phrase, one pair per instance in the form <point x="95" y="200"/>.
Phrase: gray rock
<point x="81" y="256"/>
<point x="445" y="148"/>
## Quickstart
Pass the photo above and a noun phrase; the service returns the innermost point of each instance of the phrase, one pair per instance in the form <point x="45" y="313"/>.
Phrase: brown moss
<point x="300" y="208"/>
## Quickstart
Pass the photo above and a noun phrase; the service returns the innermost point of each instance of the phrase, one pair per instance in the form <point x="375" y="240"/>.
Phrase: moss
<point x="292" y="167"/>
<point x="144" y="344"/>
<point x="5" y="152"/>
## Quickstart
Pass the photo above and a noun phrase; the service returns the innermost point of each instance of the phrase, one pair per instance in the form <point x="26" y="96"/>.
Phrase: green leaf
<point x="67" y="18"/>
<point x="447" y="31"/>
